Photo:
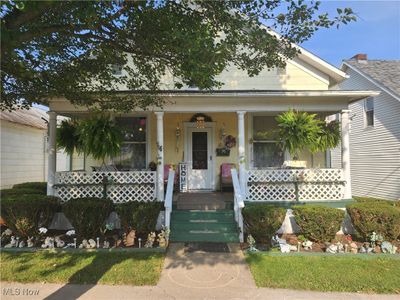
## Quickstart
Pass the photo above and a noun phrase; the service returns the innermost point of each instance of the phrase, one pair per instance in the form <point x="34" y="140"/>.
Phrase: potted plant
<point x="100" y="137"/>
<point x="303" y="131"/>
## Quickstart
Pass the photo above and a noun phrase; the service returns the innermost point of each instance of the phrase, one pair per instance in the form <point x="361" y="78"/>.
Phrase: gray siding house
<point x="374" y="128"/>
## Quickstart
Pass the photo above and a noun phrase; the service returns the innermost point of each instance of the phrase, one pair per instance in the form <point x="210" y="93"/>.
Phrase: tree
<point x="69" y="48"/>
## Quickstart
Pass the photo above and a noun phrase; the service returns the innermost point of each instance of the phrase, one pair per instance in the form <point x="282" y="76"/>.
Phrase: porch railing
<point x="238" y="204"/>
<point x="168" y="198"/>
<point x="118" y="186"/>
<point x="295" y="185"/>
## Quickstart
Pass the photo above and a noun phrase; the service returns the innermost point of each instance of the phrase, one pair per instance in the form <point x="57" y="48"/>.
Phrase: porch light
<point x="200" y="122"/>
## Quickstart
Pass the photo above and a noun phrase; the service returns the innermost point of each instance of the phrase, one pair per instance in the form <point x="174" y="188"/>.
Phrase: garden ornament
<point x="48" y="243"/>
<point x="21" y="244"/>
<point x="129" y="239"/>
<point x="12" y="243"/>
<point x="106" y="244"/>
<point x="375" y="238"/>
<point x="91" y="244"/>
<point x="162" y="241"/>
<point x="167" y="232"/>
<point x="70" y="232"/>
<point x="150" y="240"/>
<point x="366" y="249"/>
<point x="42" y="230"/>
<point x="140" y="242"/>
<point x="252" y="242"/>
<point x="17" y="242"/>
<point x="332" y="248"/>
<point x="285" y="248"/>
<point x="30" y="242"/>
<point x="75" y="243"/>
<point x="307" y="245"/>
<point x="84" y="245"/>
<point x="59" y="242"/>
<point x="7" y="232"/>
<point x="353" y="248"/>
<point x="340" y="247"/>
<point x="97" y="242"/>
<point x="388" y="247"/>
<point x="276" y="241"/>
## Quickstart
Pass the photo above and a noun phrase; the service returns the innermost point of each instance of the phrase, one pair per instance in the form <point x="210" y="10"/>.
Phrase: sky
<point x="376" y="32"/>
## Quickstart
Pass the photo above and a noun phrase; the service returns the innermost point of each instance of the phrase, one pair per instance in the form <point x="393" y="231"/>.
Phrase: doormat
<point x="206" y="247"/>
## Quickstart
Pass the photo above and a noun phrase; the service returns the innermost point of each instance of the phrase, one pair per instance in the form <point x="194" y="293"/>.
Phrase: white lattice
<point x="278" y="184"/>
<point x="121" y="186"/>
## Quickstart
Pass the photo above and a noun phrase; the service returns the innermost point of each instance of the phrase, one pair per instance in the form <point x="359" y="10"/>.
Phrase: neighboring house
<point x="23" y="147"/>
<point x="375" y="127"/>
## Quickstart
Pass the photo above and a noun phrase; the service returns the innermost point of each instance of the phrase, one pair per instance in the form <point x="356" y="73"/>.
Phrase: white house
<point x="375" y="127"/>
<point x="24" y="147"/>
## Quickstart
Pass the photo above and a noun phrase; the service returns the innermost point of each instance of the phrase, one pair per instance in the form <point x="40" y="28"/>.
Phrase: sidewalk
<point x="185" y="276"/>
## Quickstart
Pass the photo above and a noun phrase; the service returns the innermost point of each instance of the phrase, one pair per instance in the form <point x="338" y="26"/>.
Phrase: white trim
<point x="382" y="87"/>
<point x="211" y="125"/>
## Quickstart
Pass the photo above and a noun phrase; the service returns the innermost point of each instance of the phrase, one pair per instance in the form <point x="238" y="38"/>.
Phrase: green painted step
<point x="220" y="216"/>
<point x="205" y="237"/>
<point x="217" y="226"/>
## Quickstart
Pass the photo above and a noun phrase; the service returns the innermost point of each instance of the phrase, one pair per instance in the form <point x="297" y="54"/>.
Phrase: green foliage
<point x="301" y="130"/>
<point x="318" y="223"/>
<point x="41" y="187"/>
<point x="24" y="214"/>
<point x="69" y="48"/>
<point x="381" y="217"/>
<point x="141" y="216"/>
<point x="68" y="137"/>
<point x="263" y="220"/>
<point x="87" y="215"/>
<point x="21" y="191"/>
<point x="376" y="200"/>
<point x="100" y="137"/>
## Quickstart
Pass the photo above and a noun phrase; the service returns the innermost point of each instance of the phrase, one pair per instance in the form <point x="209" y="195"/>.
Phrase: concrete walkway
<point x="185" y="276"/>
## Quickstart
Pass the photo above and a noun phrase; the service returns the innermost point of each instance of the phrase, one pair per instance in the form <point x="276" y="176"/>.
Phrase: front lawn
<point x="350" y="273"/>
<point x="82" y="267"/>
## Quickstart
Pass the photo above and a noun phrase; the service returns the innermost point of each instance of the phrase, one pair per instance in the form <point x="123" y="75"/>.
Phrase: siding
<point x="374" y="151"/>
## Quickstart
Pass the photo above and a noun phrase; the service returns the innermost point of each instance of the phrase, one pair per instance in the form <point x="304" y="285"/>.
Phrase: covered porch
<point x="174" y="137"/>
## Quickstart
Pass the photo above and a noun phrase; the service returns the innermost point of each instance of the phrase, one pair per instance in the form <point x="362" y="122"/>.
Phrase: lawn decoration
<point x="307" y="245"/>
<point x="150" y="240"/>
<point x="48" y="243"/>
<point x="388" y="247"/>
<point x="252" y="244"/>
<point x="353" y="248"/>
<point x="59" y="242"/>
<point x="129" y="239"/>
<point x="30" y="242"/>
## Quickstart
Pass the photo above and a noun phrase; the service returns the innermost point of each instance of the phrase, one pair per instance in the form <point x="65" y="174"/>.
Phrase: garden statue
<point x="21" y="244"/>
<point x="42" y="230"/>
<point x="150" y="240"/>
<point x="252" y="243"/>
<point x="59" y="242"/>
<point x="167" y="233"/>
<point x="75" y="243"/>
<point x="375" y="239"/>
<point x="353" y="248"/>
<point x="140" y="242"/>
<point x="30" y="242"/>
<point x="340" y="247"/>
<point x="129" y="239"/>
<point x="366" y="249"/>
<point x="48" y="243"/>
<point x="12" y="243"/>
<point x="17" y="242"/>
<point x="70" y="232"/>
<point x="91" y="244"/>
<point x="388" y="247"/>
<point x="307" y="245"/>
<point x="276" y="241"/>
<point x="106" y="244"/>
<point x="332" y="248"/>
<point x="84" y="245"/>
<point x="162" y="242"/>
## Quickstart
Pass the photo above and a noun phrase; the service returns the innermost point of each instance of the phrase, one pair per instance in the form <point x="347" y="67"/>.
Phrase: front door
<point x="199" y="158"/>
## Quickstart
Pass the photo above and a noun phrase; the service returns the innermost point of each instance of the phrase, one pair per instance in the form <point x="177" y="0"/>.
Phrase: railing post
<point x="52" y="153"/>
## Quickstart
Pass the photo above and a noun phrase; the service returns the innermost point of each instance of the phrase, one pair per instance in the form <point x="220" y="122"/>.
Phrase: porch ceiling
<point x="247" y="100"/>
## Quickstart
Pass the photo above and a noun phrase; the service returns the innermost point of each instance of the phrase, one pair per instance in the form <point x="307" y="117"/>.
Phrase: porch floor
<point x="204" y="201"/>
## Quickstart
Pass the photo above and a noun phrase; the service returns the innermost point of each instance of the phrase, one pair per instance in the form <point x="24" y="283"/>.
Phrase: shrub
<point x="372" y="216"/>
<point x="377" y="201"/>
<point x="318" y="223"/>
<point x="19" y="191"/>
<point x="87" y="215"/>
<point x="25" y="213"/>
<point x="41" y="187"/>
<point x="141" y="216"/>
<point x="263" y="220"/>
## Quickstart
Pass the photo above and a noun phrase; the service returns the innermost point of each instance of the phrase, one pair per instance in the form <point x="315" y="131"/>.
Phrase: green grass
<point x="82" y="268"/>
<point x="367" y="274"/>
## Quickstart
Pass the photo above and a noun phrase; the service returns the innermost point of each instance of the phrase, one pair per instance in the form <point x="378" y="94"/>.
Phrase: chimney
<point x="360" y="56"/>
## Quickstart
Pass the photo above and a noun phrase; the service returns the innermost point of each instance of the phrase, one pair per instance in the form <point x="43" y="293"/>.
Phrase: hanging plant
<point x="68" y="137"/>
<point x="328" y="138"/>
<point x="100" y="137"/>
<point x="230" y="141"/>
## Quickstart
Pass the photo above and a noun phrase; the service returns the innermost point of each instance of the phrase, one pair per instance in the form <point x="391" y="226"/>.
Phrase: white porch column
<point x="241" y="151"/>
<point x="345" y="122"/>
<point x="51" y="152"/>
<point x="160" y="156"/>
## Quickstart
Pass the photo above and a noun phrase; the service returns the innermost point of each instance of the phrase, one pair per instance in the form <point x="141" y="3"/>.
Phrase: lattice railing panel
<point x="121" y="186"/>
<point x="279" y="184"/>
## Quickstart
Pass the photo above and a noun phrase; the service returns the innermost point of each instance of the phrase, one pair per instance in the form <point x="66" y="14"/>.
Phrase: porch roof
<point x="248" y="100"/>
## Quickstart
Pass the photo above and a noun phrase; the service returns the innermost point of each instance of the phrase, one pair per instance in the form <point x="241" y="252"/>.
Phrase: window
<point x="133" y="149"/>
<point x="266" y="151"/>
<point x="116" y="70"/>
<point x="369" y="112"/>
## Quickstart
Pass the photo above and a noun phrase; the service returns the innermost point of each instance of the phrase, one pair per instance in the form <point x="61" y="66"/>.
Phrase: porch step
<point x="203" y="226"/>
